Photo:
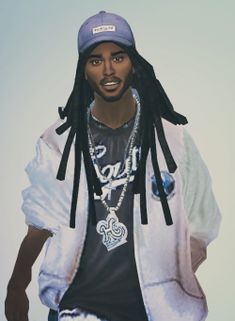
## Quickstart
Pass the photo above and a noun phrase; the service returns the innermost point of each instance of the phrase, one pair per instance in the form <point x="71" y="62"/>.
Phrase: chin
<point x="114" y="97"/>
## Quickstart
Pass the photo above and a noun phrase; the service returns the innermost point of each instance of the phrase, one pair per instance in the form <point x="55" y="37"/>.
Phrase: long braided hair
<point x="154" y="105"/>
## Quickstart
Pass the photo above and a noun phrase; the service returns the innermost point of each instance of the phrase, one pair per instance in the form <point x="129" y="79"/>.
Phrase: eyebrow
<point x="112" y="54"/>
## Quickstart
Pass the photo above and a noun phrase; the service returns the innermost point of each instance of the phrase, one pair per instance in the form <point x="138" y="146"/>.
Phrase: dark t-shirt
<point x="106" y="283"/>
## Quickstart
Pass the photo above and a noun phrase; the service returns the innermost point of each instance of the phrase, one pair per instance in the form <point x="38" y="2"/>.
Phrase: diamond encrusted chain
<point x="114" y="232"/>
<point x="128" y="161"/>
<point x="92" y="145"/>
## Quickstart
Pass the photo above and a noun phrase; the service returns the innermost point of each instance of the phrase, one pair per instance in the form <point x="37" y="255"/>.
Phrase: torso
<point x="106" y="283"/>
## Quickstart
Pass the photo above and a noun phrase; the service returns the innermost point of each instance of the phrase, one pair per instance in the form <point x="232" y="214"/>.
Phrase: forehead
<point x="106" y="47"/>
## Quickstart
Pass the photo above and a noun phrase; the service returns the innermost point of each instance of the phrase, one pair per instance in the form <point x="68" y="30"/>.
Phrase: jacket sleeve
<point x="46" y="202"/>
<point x="203" y="213"/>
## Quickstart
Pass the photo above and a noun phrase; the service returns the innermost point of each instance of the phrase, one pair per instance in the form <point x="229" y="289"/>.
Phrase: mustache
<point x="104" y="81"/>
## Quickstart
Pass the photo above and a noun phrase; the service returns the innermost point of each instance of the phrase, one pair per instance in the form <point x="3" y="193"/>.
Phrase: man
<point x="111" y="254"/>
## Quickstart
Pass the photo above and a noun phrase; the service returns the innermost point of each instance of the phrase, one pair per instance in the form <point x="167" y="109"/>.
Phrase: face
<point x="109" y="71"/>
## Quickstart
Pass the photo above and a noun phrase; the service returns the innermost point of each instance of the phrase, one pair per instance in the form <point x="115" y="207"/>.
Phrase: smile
<point x="112" y="83"/>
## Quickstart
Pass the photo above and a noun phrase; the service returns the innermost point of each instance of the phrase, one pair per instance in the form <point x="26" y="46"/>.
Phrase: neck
<point x="114" y="114"/>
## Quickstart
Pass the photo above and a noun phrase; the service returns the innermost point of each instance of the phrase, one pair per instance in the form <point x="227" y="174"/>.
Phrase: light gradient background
<point x="191" y="46"/>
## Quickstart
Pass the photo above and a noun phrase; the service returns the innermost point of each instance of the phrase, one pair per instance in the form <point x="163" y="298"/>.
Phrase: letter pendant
<point x="114" y="233"/>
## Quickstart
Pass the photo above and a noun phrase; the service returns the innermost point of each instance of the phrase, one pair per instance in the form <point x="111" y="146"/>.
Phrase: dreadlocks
<point x="154" y="105"/>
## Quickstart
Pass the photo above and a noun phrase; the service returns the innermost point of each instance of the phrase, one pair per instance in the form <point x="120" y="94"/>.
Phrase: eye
<point x="95" y="62"/>
<point x="119" y="58"/>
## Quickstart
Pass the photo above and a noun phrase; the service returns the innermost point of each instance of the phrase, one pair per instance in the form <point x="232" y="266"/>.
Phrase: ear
<point x="133" y="70"/>
<point x="85" y="75"/>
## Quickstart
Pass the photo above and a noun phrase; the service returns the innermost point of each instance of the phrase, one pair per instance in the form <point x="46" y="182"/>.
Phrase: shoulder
<point x="52" y="139"/>
<point x="175" y="138"/>
<point x="180" y="141"/>
<point x="172" y="130"/>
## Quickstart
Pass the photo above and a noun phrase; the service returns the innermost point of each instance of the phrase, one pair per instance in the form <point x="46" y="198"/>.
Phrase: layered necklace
<point x="114" y="233"/>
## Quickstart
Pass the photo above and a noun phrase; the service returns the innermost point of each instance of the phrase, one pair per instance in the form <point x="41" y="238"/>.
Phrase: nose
<point x="108" y="68"/>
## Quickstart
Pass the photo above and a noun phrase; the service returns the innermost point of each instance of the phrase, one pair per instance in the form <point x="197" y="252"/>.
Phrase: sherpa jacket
<point x="166" y="256"/>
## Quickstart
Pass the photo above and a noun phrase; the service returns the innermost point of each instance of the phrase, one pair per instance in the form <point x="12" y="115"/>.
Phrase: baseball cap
<point x="104" y="26"/>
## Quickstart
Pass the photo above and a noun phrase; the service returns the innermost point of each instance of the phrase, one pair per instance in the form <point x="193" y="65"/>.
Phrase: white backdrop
<point x="191" y="46"/>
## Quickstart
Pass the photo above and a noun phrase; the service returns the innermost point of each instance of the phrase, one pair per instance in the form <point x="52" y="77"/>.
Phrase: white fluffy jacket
<point x="166" y="256"/>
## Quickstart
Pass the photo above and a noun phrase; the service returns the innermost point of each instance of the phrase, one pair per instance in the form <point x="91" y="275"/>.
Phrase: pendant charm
<point x="114" y="233"/>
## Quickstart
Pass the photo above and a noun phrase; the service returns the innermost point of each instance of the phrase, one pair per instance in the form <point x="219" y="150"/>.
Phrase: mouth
<point x="111" y="85"/>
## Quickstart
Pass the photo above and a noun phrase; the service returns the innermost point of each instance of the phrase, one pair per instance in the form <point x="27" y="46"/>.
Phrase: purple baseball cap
<point x="104" y="26"/>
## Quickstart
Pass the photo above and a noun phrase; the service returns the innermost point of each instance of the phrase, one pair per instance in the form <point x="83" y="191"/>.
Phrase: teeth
<point x="111" y="83"/>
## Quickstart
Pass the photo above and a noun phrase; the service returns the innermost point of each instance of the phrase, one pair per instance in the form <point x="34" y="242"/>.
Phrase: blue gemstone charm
<point x="168" y="185"/>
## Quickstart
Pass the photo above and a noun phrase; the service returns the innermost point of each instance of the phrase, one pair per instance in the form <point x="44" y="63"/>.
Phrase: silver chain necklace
<point x="96" y="162"/>
<point x="114" y="232"/>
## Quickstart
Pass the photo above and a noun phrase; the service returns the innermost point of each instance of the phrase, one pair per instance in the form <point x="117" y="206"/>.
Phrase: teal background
<point x="191" y="46"/>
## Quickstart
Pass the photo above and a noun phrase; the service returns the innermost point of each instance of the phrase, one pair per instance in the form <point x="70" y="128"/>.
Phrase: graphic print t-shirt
<point x="106" y="283"/>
